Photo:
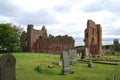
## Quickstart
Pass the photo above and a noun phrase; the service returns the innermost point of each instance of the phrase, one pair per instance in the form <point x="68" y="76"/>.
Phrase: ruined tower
<point x="93" y="38"/>
<point x="29" y="37"/>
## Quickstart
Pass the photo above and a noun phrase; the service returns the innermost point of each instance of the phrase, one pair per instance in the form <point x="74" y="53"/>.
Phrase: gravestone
<point x="73" y="56"/>
<point x="69" y="53"/>
<point x="7" y="67"/>
<point x="65" y="63"/>
<point x="90" y="64"/>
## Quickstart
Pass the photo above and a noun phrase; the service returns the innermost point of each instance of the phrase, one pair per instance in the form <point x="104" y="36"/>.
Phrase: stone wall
<point x="55" y="44"/>
<point x="93" y="38"/>
<point x="39" y="41"/>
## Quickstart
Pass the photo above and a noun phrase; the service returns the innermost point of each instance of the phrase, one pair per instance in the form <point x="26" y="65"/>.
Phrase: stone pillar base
<point x="66" y="71"/>
<point x="73" y="62"/>
<point x="90" y="64"/>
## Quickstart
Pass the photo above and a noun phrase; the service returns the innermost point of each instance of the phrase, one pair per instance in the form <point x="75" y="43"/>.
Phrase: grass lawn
<point x="34" y="66"/>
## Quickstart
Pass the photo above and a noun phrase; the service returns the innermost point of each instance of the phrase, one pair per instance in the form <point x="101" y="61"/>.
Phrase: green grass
<point x="34" y="66"/>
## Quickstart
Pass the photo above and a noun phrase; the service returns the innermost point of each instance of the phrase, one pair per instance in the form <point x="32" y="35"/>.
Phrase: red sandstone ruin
<point x="38" y="41"/>
<point x="93" y="38"/>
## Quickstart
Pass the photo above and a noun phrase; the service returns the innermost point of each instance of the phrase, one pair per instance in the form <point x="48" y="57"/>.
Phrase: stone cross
<point x="7" y="67"/>
<point x="65" y="63"/>
<point x="73" y="56"/>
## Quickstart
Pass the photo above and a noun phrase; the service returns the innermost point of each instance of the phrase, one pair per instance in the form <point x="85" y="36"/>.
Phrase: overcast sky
<point x="64" y="17"/>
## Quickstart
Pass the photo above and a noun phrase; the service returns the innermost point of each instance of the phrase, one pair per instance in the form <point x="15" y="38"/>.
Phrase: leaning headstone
<point x="65" y="63"/>
<point x="7" y="67"/>
<point x="73" y="56"/>
<point x="90" y="64"/>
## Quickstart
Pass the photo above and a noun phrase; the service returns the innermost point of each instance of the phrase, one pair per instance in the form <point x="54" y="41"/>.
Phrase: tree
<point x="18" y="29"/>
<point x="8" y="37"/>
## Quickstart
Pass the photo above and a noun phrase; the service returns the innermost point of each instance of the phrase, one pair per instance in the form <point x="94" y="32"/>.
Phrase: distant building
<point x="93" y="38"/>
<point x="116" y="45"/>
<point x="38" y="41"/>
<point x="116" y="41"/>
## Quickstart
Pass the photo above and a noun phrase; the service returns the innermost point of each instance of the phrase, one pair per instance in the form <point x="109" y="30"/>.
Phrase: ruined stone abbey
<point x="39" y="41"/>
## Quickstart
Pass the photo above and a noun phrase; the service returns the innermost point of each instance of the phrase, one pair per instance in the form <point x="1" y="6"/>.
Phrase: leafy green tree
<point x="8" y="37"/>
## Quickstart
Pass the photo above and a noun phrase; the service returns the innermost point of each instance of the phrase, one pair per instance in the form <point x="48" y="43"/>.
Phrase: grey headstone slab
<point x="65" y="61"/>
<point x="73" y="56"/>
<point x="7" y="67"/>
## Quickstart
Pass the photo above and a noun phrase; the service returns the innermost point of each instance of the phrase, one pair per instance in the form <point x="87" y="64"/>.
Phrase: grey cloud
<point x="8" y="9"/>
<point x="61" y="8"/>
<point x="12" y="11"/>
<point x="72" y="24"/>
<point x="98" y="5"/>
<point x="111" y="26"/>
<point x="78" y="41"/>
<point x="40" y="18"/>
<point x="66" y="6"/>
<point x="112" y="31"/>
<point x="107" y="39"/>
<point x="94" y="6"/>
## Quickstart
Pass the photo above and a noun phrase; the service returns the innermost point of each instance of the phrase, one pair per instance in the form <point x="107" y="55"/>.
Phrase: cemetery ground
<point x="34" y="66"/>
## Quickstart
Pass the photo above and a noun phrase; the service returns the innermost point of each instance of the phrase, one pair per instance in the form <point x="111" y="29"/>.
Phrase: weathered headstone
<point x="69" y="53"/>
<point x="7" y="67"/>
<point x="73" y="56"/>
<point x="90" y="64"/>
<point x="65" y="63"/>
